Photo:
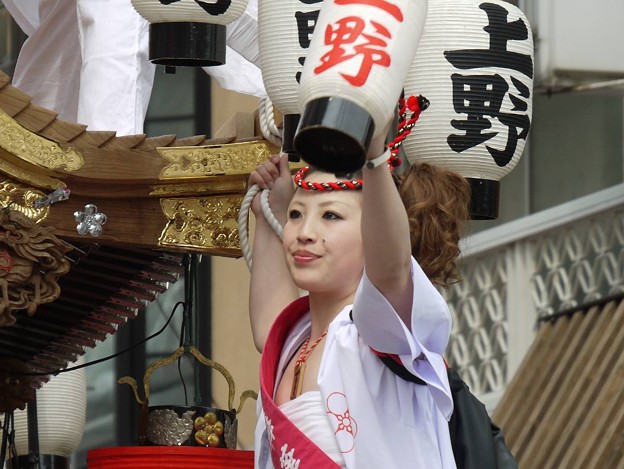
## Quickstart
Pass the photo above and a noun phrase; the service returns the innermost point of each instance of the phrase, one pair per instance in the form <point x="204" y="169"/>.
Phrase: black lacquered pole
<point x="33" y="435"/>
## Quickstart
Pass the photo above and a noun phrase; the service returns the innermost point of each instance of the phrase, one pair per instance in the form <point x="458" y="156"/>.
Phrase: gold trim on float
<point x="32" y="178"/>
<point x="22" y="199"/>
<point x="215" y="160"/>
<point x="208" y="224"/>
<point x="216" y="186"/>
<point x="34" y="149"/>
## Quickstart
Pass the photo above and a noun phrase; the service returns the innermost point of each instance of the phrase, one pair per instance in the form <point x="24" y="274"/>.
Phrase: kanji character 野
<point x="480" y="97"/>
<point x="348" y="41"/>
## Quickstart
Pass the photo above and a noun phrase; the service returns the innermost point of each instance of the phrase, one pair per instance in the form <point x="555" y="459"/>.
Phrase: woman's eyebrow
<point x="330" y="203"/>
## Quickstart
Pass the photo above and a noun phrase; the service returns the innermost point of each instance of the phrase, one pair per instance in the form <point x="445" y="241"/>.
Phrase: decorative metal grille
<point x="579" y="264"/>
<point x="478" y="344"/>
<point x="562" y="267"/>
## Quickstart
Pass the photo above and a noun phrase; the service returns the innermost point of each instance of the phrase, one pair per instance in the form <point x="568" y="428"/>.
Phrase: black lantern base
<point x="484" y="198"/>
<point x="334" y="135"/>
<point x="291" y="121"/>
<point x="46" y="461"/>
<point x="187" y="44"/>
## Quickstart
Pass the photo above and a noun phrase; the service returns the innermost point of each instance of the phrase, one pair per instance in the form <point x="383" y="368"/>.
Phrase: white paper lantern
<point x="285" y="30"/>
<point x="188" y="32"/>
<point x="360" y="54"/>
<point x="61" y="411"/>
<point x="474" y="63"/>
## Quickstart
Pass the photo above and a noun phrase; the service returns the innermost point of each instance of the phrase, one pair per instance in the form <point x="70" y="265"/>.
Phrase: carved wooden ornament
<point x="31" y="261"/>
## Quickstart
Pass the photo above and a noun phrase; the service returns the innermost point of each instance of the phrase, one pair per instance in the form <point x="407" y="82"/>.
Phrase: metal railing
<point x="512" y="275"/>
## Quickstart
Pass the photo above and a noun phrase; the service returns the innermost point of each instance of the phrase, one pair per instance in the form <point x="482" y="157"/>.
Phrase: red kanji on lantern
<point x="349" y="40"/>
<point x="383" y="4"/>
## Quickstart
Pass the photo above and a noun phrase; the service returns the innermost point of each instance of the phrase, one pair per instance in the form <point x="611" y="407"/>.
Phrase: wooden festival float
<point x="95" y="226"/>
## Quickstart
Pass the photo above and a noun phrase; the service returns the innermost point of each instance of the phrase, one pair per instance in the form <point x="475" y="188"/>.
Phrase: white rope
<point x="243" y="220"/>
<point x="268" y="214"/>
<point x="267" y="122"/>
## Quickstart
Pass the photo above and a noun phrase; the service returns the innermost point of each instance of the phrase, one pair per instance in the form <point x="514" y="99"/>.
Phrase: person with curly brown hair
<point x="437" y="203"/>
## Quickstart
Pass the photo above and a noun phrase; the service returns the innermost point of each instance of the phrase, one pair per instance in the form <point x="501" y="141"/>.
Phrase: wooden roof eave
<point x="163" y="192"/>
<point x="564" y="405"/>
<point x="162" y="197"/>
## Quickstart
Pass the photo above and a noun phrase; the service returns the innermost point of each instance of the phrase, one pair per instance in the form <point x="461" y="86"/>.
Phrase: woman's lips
<point x="304" y="257"/>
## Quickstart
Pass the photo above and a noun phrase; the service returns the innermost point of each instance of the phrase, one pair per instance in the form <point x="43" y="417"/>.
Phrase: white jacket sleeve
<point x="420" y="350"/>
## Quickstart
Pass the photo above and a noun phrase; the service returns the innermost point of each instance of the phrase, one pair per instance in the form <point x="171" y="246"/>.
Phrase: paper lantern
<point x="188" y="32"/>
<point x="353" y="76"/>
<point x="285" y="30"/>
<point x="474" y="63"/>
<point x="61" y="411"/>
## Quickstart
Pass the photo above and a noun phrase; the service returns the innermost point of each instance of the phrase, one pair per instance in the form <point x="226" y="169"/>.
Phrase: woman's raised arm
<point x="386" y="235"/>
<point x="272" y="288"/>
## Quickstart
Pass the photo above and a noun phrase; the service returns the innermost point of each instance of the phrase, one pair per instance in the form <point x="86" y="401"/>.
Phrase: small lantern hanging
<point x="474" y="63"/>
<point x="61" y="405"/>
<point x="188" y="32"/>
<point x="285" y="30"/>
<point x="353" y="77"/>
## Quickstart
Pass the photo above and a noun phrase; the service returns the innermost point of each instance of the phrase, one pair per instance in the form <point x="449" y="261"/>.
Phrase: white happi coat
<point x="88" y="60"/>
<point x="397" y="424"/>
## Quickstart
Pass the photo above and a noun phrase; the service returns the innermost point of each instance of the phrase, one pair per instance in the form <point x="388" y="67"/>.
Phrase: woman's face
<point x="323" y="240"/>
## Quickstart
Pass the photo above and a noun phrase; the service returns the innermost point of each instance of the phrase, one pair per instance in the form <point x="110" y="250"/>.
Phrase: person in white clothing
<point x="88" y="60"/>
<point x="327" y="398"/>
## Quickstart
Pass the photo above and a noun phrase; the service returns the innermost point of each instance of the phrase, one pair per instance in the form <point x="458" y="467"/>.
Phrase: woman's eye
<point x="331" y="216"/>
<point x="294" y="214"/>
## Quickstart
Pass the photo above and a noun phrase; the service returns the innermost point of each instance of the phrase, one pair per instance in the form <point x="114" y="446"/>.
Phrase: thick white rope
<point x="268" y="214"/>
<point x="243" y="214"/>
<point x="243" y="220"/>
<point x="273" y="135"/>
<point x="267" y="122"/>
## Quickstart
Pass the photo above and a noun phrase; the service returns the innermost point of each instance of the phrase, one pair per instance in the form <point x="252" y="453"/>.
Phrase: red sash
<point x="290" y="447"/>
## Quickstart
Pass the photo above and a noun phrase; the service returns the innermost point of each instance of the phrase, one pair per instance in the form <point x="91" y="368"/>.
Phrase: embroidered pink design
<point x="287" y="460"/>
<point x="345" y="424"/>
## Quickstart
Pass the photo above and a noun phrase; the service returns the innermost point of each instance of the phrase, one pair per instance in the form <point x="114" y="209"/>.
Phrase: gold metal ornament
<point x="215" y="160"/>
<point x="22" y="199"/>
<point x="34" y="149"/>
<point x="207" y="224"/>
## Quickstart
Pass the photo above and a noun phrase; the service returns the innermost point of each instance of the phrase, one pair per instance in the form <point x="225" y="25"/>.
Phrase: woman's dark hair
<point x="437" y="203"/>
